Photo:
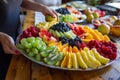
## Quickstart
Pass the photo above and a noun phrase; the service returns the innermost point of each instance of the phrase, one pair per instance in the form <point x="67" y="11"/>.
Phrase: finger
<point x="7" y="50"/>
<point x="52" y="13"/>
<point x="14" y="48"/>
<point x="10" y="48"/>
<point x="56" y="14"/>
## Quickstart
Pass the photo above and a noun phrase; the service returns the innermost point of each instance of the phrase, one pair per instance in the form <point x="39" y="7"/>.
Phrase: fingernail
<point x="16" y="51"/>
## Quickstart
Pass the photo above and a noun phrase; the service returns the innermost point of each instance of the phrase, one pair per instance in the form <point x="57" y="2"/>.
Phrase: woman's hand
<point x="47" y="11"/>
<point x="8" y="44"/>
<point x="29" y="4"/>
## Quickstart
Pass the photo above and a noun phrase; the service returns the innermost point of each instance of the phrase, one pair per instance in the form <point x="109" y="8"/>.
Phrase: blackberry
<point x="72" y="42"/>
<point x="64" y="40"/>
<point x="61" y="27"/>
<point x="78" y="39"/>
<point x="62" y="11"/>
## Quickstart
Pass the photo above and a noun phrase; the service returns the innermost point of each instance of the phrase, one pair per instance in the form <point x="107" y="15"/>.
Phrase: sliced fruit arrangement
<point x="31" y="31"/>
<point x="67" y="18"/>
<point x="61" y="30"/>
<point x="87" y="34"/>
<point x="106" y="49"/>
<point x="84" y="59"/>
<point x="92" y="34"/>
<point x="68" y="45"/>
<point x="70" y="14"/>
<point x="72" y="42"/>
<point x="47" y="36"/>
<point x="76" y="58"/>
<point x="45" y="25"/>
<point x="51" y="56"/>
<point x="77" y="29"/>
<point x="32" y="46"/>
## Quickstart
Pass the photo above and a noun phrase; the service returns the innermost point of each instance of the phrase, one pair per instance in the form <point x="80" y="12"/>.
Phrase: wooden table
<point x="23" y="69"/>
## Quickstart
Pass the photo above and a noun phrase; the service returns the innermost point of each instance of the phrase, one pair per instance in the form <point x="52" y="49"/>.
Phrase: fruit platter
<point x="67" y="46"/>
<point x="70" y="14"/>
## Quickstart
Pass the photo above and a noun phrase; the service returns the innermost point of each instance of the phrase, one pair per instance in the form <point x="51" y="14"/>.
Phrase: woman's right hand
<point x="8" y="44"/>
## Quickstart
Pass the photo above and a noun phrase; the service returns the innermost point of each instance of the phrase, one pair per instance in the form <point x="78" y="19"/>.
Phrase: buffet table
<point x="22" y="68"/>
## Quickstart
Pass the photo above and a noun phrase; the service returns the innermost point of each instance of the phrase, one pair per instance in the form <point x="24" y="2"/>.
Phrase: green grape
<point x="37" y="57"/>
<point x="43" y="48"/>
<point x="31" y="54"/>
<point x="35" y="50"/>
<point x="31" y="39"/>
<point x="38" y="38"/>
<point x="43" y="43"/>
<point x="23" y="41"/>
<point x="28" y="45"/>
<point x="36" y="43"/>
<point x="68" y="18"/>
<point x="39" y="47"/>
<point x="20" y="46"/>
<point x="28" y="50"/>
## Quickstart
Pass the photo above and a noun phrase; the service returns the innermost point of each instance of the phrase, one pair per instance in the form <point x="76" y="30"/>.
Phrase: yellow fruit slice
<point x="86" y="28"/>
<point x="69" y="64"/>
<point x="70" y="49"/>
<point x="65" y="50"/>
<point x="75" y="49"/>
<point x="106" y="38"/>
<point x="86" y="40"/>
<point x="80" y="61"/>
<point x="92" y="58"/>
<point x="74" y="60"/>
<point x="102" y="59"/>
<point x="91" y="31"/>
<point x="86" y="60"/>
<point x="95" y="36"/>
<point x="99" y="34"/>
<point x="62" y="47"/>
<point x="59" y="45"/>
<point x="52" y="44"/>
<point x="88" y="36"/>
<point x="64" y="62"/>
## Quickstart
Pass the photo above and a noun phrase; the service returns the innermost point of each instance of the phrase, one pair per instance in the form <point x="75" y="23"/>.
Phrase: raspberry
<point x="82" y="45"/>
<point x="106" y="49"/>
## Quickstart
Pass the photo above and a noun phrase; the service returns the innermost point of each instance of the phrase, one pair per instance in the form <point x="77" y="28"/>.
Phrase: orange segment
<point x="75" y="49"/>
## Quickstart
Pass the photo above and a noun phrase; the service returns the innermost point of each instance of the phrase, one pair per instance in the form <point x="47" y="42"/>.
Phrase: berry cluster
<point x="29" y="32"/>
<point x="63" y="11"/>
<point x="106" y="49"/>
<point x="72" y="42"/>
<point x="61" y="27"/>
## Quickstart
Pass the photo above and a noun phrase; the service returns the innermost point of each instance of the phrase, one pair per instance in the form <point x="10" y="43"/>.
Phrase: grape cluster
<point x="106" y="49"/>
<point x="32" y="46"/>
<point x="63" y="11"/>
<point x="72" y="42"/>
<point x="60" y="27"/>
